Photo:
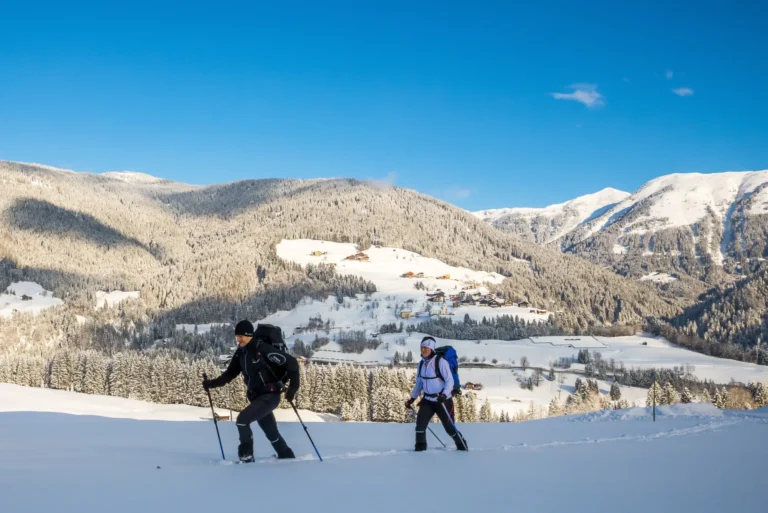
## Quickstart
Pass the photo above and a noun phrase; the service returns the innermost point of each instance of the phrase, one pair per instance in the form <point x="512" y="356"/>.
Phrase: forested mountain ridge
<point x="199" y="253"/>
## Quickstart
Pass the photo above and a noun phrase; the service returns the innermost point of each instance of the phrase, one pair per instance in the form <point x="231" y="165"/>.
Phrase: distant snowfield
<point x="658" y="277"/>
<point x="385" y="269"/>
<point x="39" y="299"/>
<point x="74" y="464"/>
<point x="14" y="398"/>
<point x="201" y="328"/>
<point x="114" y="298"/>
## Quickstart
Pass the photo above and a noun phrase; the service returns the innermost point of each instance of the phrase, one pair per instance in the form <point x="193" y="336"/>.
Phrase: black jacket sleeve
<point x="233" y="370"/>
<point x="286" y="362"/>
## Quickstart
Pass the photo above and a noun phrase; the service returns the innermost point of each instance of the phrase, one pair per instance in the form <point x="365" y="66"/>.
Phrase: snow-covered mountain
<point x="685" y="222"/>
<point x="544" y="225"/>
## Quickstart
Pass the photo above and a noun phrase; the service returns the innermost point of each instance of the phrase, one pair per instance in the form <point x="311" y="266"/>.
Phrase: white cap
<point x="428" y="342"/>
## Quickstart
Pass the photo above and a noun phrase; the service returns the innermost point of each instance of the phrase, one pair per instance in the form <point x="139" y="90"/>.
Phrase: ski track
<point x="693" y="430"/>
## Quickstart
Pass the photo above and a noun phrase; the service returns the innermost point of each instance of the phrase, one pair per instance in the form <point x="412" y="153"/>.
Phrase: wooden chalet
<point x="409" y="274"/>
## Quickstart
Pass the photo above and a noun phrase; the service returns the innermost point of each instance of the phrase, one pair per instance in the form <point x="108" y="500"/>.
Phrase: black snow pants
<point x="260" y="410"/>
<point x="427" y="410"/>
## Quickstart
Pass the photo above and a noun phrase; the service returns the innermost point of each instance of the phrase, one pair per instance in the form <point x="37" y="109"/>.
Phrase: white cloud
<point x="384" y="183"/>
<point x="582" y="93"/>
<point x="459" y="192"/>
<point x="626" y="79"/>
<point x="683" y="91"/>
<point x="669" y="74"/>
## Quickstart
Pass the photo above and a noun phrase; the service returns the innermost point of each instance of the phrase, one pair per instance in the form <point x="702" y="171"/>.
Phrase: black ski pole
<point x="461" y="437"/>
<point x="306" y="430"/>
<point x="215" y="423"/>
<point x="430" y="429"/>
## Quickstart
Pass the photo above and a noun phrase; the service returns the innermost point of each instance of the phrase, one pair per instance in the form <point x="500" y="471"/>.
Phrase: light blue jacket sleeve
<point x="445" y="371"/>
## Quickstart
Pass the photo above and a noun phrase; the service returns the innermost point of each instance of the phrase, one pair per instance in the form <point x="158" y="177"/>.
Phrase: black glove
<point x="206" y="384"/>
<point x="290" y="394"/>
<point x="441" y="398"/>
<point x="409" y="403"/>
<point x="456" y="391"/>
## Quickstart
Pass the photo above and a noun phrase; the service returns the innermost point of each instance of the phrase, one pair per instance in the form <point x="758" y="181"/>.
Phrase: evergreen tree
<point x="555" y="408"/>
<point x="655" y="395"/>
<point x="615" y="391"/>
<point x="686" y="397"/>
<point x="670" y="394"/>
<point x="486" y="413"/>
<point x="705" y="397"/>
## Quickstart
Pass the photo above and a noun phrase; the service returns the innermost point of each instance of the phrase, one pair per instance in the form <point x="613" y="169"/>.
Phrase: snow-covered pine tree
<point x="622" y="404"/>
<point x="468" y="407"/>
<point x="486" y="412"/>
<point x="118" y="376"/>
<point x="705" y="397"/>
<point x="96" y="371"/>
<point x="615" y="391"/>
<point x="670" y="394"/>
<point x="686" y="397"/>
<point x="655" y="393"/>
<point x="605" y="402"/>
<point x="555" y="408"/>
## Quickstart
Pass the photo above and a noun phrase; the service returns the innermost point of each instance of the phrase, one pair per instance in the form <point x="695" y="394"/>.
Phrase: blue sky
<point x="481" y="104"/>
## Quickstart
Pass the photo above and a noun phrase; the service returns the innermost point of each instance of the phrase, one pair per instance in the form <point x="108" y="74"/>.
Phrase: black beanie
<point x="244" y="328"/>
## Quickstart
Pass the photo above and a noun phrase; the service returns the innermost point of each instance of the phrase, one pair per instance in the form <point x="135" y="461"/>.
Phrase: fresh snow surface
<point x="53" y="462"/>
<point x="114" y="298"/>
<point x="658" y="277"/>
<point x="14" y="398"/>
<point x="41" y="299"/>
<point x="618" y="249"/>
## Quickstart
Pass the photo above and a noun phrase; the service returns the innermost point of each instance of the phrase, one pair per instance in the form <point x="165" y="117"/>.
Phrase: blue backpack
<point x="449" y="353"/>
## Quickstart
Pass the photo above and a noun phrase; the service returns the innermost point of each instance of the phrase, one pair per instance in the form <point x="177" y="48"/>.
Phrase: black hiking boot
<point x="461" y="443"/>
<point x="420" y="446"/>
<point x="283" y="451"/>
<point x="245" y="452"/>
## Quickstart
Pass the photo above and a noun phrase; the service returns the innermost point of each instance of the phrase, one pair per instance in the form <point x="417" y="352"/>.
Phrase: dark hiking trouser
<point x="427" y="410"/>
<point x="260" y="410"/>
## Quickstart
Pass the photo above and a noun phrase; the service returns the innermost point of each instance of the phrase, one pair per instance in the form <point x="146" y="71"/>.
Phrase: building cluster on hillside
<point x="359" y="257"/>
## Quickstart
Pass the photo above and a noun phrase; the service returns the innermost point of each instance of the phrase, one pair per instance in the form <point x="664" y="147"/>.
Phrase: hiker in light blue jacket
<point x="437" y="385"/>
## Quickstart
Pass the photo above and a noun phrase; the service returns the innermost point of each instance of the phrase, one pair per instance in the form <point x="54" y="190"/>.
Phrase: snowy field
<point x="114" y="298"/>
<point x="15" y="398"/>
<point x="37" y="299"/>
<point x="694" y="458"/>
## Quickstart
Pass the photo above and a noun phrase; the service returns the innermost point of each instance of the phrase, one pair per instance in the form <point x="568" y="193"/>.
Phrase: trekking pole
<point x="430" y="429"/>
<point x="306" y="430"/>
<point x="215" y="423"/>
<point x="461" y="437"/>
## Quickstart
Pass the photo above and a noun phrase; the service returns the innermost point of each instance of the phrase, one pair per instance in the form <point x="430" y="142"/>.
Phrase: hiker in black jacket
<point x="265" y="370"/>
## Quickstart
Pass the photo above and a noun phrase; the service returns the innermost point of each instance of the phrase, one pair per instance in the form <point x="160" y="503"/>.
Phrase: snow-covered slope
<point x="26" y="297"/>
<point x="14" y="398"/>
<point x="552" y="222"/>
<point x="132" y="177"/>
<point x="385" y="268"/>
<point x="64" y="463"/>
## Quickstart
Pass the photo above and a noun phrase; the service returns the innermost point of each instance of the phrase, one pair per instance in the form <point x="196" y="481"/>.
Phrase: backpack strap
<point x="439" y="374"/>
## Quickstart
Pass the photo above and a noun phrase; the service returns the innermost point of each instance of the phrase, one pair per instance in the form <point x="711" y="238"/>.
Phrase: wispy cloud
<point x="669" y="74"/>
<point x="683" y="91"/>
<point x="582" y="93"/>
<point x="390" y="180"/>
<point x="459" y="192"/>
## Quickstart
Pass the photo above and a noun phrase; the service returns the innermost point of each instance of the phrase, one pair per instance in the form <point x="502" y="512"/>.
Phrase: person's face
<point x="242" y="340"/>
<point x="425" y="351"/>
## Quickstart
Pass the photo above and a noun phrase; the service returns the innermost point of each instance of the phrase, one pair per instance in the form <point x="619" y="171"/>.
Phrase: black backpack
<point x="272" y="335"/>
